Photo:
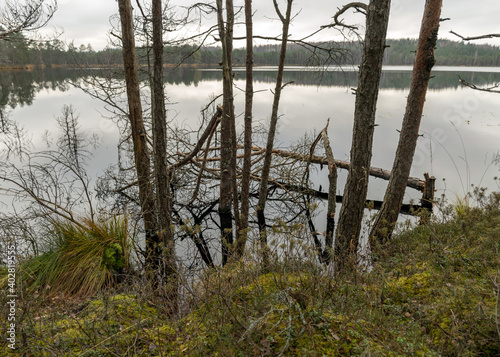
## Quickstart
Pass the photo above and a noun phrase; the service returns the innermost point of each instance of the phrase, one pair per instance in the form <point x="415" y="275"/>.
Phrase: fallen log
<point x="413" y="182"/>
<point x="406" y="209"/>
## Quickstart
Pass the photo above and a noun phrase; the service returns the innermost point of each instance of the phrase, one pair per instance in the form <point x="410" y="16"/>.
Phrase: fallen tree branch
<point x="198" y="181"/>
<point x="407" y="209"/>
<point x="413" y="182"/>
<point x="201" y="141"/>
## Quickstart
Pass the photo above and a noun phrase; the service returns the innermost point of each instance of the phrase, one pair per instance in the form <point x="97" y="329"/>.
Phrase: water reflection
<point x="20" y="87"/>
<point x="392" y="78"/>
<point x="460" y="127"/>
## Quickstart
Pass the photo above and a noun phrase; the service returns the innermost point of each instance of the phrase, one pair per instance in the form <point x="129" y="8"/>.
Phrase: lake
<point x="460" y="129"/>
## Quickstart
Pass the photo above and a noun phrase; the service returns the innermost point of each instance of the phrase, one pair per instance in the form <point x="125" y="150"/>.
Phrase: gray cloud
<point x="87" y="21"/>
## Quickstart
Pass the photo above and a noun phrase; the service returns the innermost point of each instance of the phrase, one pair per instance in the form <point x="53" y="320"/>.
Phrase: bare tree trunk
<point x="164" y="203"/>
<point x="332" y="195"/>
<point x="234" y="144"/>
<point x="272" y="128"/>
<point x="424" y="61"/>
<point x="141" y="156"/>
<point x="227" y="121"/>
<point x="353" y="203"/>
<point x="247" y="158"/>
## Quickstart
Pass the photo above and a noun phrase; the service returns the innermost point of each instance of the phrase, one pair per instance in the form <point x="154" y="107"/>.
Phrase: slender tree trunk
<point x="424" y="61"/>
<point x="164" y="204"/>
<point x="234" y="144"/>
<point x="141" y="156"/>
<point x="247" y="159"/>
<point x="261" y="205"/>
<point x="353" y="203"/>
<point x="227" y="120"/>
<point x="332" y="195"/>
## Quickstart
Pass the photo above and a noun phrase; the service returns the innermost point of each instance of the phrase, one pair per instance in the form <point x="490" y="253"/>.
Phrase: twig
<point x="359" y="6"/>
<point x="473" y="86"/>
<point x="493" y="35"/>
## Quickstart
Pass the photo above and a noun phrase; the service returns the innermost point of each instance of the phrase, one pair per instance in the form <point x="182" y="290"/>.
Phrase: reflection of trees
<point x="46" y="185"/>
<point x="18" y="88"/>
<point x="390" y="79"/>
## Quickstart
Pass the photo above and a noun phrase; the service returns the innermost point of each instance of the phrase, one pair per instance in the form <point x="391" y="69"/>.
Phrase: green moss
<point x="269" y="284"/>
<point x="414" y="286"/>
<point x="113" y="257"/>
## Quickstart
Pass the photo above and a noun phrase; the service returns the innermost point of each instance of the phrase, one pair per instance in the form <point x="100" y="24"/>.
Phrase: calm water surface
<point x="460" y="128"/>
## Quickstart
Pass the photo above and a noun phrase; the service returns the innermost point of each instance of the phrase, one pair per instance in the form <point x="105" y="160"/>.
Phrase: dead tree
<point x="332" y="193"/>
<point x="424" y="61"/>
<point x="261" y="205"/>
<point x="353" y="203"/>
<point x="247" y="156"/>
<point x="227" y="124"/>
<point x="166" y="248"/>
<point x="138" y="133"/>
<point x="325" y="254"/>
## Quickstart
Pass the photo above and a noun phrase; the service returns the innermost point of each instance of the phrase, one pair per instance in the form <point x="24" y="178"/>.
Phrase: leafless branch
<point x="473" y="86"/>
<point x="198" y="181"/>
<point x="358" y="6"/>
<point x="201" y="141"/>
<point x="475" y="37"/>
<point x="25" y="16"/>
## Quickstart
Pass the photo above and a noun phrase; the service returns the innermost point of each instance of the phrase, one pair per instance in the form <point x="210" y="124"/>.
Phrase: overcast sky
<point x="88" y="21"/>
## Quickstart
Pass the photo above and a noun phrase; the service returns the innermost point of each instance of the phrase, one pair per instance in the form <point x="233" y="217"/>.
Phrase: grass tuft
<point x="82" y="259"/>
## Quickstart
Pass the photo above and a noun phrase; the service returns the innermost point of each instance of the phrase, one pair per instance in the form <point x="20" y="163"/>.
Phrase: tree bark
<point x="227" y="120"/>
<point x="353" y="204"/>
<point x="272" y="127"/>
<point x="168" y="266"/>
<point x="141" y="155"/>
<point x="247" y="150"/>
<point x="424" y="61"/>
<point x="332" y="195"/>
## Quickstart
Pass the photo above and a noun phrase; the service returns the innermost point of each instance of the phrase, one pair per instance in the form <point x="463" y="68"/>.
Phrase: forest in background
<point x="20" y="52"/>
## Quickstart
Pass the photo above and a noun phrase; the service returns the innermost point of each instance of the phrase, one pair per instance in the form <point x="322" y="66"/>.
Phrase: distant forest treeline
<point x="19" y="52"/>
<point x="18" y="88"/>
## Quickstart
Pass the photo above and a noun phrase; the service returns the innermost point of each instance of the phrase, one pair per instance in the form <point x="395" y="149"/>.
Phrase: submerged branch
<point x="475" y="87"/>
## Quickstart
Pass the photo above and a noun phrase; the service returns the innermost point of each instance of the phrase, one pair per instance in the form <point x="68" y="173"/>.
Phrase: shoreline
<point x="204" y="66"/>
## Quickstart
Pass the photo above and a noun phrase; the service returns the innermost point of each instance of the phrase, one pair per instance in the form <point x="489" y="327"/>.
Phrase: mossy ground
<point x="433" y="291"/>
